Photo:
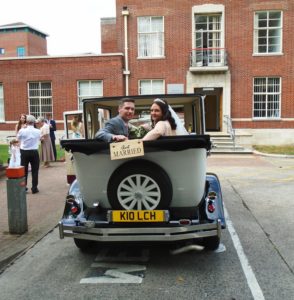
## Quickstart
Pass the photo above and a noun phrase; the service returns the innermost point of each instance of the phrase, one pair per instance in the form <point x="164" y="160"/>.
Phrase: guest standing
<point x="52" y="126"/>
<point x="46" y="151"/>
<point x="21" y="123"/>
<point x="29" y="138"/>
<point x="14" y="151"/>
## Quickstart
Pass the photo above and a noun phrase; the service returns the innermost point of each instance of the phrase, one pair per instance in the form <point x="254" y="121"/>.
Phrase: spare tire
<point x="139" y="185"/>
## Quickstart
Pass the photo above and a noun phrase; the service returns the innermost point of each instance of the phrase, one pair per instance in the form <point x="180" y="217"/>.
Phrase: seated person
<point x="163" y="123"/>
<point x="117" y="128"/>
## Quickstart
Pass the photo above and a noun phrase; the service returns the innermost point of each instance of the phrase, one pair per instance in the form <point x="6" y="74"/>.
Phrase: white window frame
<point x="90" y="91"/>
<point x="151" y="83"/>
<point x="217" y="56"/>
<point x="150" y="51"/>
<point x="2" y="51"/>
<point x="2" y="115"/>
<point x="40" y="98"/>
<point x="266" y="94"/>
<point x="267" y="28"/>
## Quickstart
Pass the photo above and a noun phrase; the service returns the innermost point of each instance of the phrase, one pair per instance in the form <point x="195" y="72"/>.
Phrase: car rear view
<point x="151" y="191"/>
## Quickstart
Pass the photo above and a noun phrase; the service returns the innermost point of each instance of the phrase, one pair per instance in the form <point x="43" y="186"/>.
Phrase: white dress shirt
<point x="29" y="138"/>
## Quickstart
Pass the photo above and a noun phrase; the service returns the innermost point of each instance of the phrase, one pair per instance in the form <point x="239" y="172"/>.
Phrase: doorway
<point x="213" y="105"/>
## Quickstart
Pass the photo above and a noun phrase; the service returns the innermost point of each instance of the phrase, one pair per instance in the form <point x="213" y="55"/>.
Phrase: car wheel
<point x="83" y="245"/>
<point x="211" y="243"/>
<point x="139" y="185"/>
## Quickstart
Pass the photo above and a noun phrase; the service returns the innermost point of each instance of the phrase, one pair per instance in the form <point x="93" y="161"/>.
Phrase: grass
<point x="4" y="154"/>
<point x="285" y="149"/>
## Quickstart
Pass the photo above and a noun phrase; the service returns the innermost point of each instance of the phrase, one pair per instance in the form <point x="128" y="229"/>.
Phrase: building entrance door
<point x="213" y="113"/>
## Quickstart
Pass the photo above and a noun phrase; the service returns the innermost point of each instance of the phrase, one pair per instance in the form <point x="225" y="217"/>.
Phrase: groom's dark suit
<point x="52" y="125"/>
<point x="115" y="126"/>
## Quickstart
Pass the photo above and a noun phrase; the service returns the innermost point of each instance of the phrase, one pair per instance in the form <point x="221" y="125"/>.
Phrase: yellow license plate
<point x="138" y="215"/>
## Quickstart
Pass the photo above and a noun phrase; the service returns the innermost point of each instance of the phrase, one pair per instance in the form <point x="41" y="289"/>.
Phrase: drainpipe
<point x="126" y="72"/>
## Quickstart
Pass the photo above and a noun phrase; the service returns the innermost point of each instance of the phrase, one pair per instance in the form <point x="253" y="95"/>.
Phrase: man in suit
<point x="117" y="128"/>
<point x="52" y="126"/>
<point x="29" y="138"/>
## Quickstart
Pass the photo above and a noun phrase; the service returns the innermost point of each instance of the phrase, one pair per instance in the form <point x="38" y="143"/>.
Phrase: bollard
<point x="16" y="200"/>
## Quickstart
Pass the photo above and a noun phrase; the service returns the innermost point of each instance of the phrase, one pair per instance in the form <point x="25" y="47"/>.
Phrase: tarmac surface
<point x="44" y="210"/>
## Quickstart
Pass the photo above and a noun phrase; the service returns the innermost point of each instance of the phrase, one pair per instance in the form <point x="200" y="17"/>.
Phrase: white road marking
<point x="221" y="248"/>
<point x="117" y="273"/>
<point x="121" y="267"/>
<point x="104" y="279"/>
<point x="249" y="274"/>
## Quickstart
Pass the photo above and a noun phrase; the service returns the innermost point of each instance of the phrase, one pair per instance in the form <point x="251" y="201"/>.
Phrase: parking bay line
<point x="115" y="273"/>
<point x="248" y="272"/>
<point x="114" y="267"/>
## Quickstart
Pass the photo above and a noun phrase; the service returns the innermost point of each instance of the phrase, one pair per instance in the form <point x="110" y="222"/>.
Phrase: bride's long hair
<point x="166" y="114"/>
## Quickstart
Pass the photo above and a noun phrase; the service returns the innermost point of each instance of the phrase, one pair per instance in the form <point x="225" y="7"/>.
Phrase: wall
<point x="273" y="136"/>
<point x="34" y="44"/>
<point x="63" y="72"/>
<point x="108" y="36"/>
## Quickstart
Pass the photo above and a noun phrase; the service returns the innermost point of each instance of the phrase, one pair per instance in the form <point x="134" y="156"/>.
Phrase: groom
<point x="116" y="129"/>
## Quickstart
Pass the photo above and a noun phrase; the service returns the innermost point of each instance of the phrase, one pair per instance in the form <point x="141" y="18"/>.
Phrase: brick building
<point x="21" y="40"/>
<point x="238" y="52"/>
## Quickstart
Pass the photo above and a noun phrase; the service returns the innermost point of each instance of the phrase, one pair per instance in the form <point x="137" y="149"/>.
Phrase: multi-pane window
<point x="208" y="39"/>
<point x="150" y="37"/>
<point x="1" y="103"/>
<point x="267" y="97"/>
<point x="40" y="98"/>
<point x="151" y="87"/>
<point x="89" y="89"/>
<point x="21" y="51"/>
<point x="268" y="32"/>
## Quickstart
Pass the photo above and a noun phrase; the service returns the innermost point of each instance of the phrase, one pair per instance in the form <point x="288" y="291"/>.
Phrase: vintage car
<point x="151" y="191"/>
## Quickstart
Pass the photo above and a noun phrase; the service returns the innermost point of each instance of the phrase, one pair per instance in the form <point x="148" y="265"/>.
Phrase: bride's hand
<point x="146" y="126"/>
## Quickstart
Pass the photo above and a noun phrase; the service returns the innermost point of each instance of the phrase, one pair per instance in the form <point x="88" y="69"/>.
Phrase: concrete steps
<point x="223" y="143"/>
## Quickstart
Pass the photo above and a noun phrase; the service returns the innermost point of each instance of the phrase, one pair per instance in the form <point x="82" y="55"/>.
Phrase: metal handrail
<point x="230" y="129"/>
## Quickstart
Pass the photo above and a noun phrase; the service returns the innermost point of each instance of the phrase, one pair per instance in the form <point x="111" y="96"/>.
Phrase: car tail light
<point x="74" y="210"/>
<point x="71" y="178"/>
<point x="73" y="204"/>
<point x="211" y="206"/>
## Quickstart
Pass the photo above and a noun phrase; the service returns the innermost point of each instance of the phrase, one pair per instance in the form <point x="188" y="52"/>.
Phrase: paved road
<point x="264" y="186"/>
<point x="43" y="211"/>
<point x="255" y="260"/>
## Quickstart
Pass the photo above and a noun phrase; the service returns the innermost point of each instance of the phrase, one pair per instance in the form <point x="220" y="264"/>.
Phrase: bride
<point x="164" y="121"/>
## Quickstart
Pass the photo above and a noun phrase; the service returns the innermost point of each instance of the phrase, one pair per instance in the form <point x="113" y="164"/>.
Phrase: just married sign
<point x="127" y="149"/>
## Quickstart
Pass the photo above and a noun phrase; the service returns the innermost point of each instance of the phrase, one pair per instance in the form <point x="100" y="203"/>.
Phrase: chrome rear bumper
<point x="131" y="234"/>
